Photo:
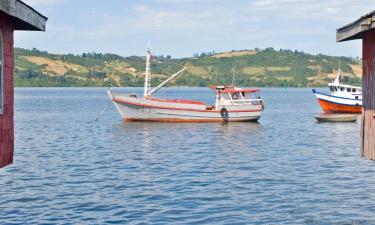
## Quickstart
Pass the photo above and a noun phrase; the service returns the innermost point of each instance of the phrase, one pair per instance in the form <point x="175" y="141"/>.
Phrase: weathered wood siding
<point x="368" y="84"/>
<point x="6" y="118"/>
<point x="24" y="17"/>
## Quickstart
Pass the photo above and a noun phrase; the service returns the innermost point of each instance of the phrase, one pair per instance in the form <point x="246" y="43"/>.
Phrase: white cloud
<point x="200" y="25"/>
<point x="332" y="10"/>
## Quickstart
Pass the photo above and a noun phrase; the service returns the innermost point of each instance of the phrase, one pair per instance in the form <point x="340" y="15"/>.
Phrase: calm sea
<point x="286" y="169"/>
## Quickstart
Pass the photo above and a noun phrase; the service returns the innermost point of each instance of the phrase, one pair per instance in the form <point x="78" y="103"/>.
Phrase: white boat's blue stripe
<point x="339" y="103"/>
<point x="332" y="96"/>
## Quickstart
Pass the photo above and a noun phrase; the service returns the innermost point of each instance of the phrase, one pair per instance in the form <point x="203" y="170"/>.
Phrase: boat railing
<point x="241" y="102"/>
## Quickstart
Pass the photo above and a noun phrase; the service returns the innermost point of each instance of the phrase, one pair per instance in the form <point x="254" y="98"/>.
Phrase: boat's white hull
<point x="135" y="109"/>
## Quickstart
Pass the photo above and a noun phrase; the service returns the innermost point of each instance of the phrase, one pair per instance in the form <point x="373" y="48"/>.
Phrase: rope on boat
<point x="100" y="114"/>
<point x="163" y="91"/>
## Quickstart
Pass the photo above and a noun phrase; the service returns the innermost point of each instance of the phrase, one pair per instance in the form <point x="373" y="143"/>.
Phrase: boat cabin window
<point x="246" y="96"/>
<point x="225" y="96"/>
<point x="236" y="96"/>
<point x="353" y="90"/>
<point x="331" y="88"/>
<point x="349" y="89"/>
<point x="342" y="89"/>
<point x="336" y="89"/>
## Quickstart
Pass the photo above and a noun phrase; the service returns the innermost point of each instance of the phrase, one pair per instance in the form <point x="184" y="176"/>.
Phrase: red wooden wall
<point x="6" y="118"/>
<point x="368" y="84"/>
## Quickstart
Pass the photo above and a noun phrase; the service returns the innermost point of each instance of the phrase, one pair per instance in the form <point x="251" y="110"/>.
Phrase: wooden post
<point x="364" y="28"/>
<point x="368" y="84"/>
<point x="14" y="15"/>
<point x="6" y="116"/>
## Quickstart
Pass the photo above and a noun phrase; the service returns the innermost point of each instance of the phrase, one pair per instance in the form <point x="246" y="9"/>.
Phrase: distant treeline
<point x="265" y="67"/>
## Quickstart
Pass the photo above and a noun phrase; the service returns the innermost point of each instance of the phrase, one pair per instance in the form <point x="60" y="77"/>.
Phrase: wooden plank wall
<point x="368" y="84"/>
<point x="32" y="20"/>
<point x="6" y="118"/>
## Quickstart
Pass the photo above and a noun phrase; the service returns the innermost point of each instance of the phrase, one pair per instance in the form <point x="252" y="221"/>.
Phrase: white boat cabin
<point x="232" y="96"/>
<point x="345" y="91"/>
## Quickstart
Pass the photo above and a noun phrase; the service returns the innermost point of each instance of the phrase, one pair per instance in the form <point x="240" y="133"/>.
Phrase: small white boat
<point x="342" y="99"/>
<point x="232" y="104"/>
<point x="334" y="117"/>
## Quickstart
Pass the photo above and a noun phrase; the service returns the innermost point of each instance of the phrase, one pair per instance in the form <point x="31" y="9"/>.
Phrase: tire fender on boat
<point x="224" y="114"/>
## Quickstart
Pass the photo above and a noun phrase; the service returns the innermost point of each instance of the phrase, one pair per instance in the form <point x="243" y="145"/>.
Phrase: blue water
<point x="286" y="169"/>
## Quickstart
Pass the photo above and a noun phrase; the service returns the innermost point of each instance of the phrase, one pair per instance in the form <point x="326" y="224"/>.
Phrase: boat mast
<point x="234" y="70"/>
<point x="148" y="72"/>
<point x="147" y="94"/>
<point x="338" y="76"/>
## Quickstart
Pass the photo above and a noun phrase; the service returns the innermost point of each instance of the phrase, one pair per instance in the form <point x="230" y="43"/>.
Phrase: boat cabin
<point x="346" y="91"/>
<point x="231" y="95"/>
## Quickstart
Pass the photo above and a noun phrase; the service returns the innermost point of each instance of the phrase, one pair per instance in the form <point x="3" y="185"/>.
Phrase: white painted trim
<point x="338" y="100"/>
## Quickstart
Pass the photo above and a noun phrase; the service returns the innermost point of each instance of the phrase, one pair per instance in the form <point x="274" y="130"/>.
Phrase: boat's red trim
<point x="169" y="120"/>
<point x="238" y="90"/>
<point x="184" y="109"/>
<point x="177" y="101"/>
<point x="223" y="86"/>
<point x="231" y="89"/>
<point x="330" y="107"/>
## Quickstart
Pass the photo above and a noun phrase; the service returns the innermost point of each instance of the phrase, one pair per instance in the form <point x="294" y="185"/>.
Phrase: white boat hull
<point x="136" y="109"/>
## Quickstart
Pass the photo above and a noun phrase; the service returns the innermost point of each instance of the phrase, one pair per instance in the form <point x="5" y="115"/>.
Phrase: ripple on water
<point x="286" y="169"/>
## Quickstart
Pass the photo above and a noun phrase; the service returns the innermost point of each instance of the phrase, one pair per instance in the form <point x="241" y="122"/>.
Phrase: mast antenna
<point x="339" y="70"/>
<point x="147" y="72"/>
<point x="234" y="70"/>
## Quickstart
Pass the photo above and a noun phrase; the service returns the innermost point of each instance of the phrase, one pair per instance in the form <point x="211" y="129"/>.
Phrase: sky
<point x="181" y="28"/>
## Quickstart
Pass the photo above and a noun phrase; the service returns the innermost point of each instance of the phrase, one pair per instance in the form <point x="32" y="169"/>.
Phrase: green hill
<point x="267" y="67"/>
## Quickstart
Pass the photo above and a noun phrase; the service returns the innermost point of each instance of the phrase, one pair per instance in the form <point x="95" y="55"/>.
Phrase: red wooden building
<point x="364" y="28"/>
<point x="14" y="15"/>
